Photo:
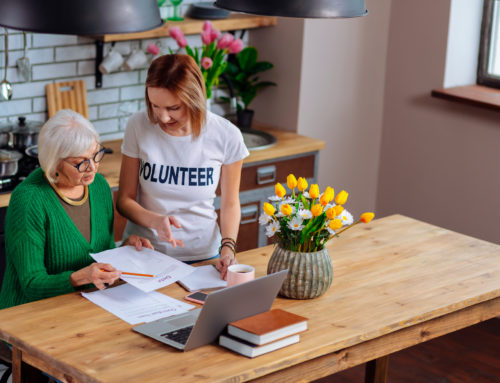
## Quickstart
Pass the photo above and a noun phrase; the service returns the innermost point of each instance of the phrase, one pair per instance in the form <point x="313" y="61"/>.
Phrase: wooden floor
<point x="471" y="355"/>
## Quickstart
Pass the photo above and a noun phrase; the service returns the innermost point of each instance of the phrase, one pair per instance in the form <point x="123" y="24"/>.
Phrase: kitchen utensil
<point x="9" y="162"/>
<point x="25" y="133"/>
<point x="32" y="151"/>
<point x="5" y="130"/>
<point x="23" y="63"/>
<point x="5" y="86"/>
<point x="67" y="95"/>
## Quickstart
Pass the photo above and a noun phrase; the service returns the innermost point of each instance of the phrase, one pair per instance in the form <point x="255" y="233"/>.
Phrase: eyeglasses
<point x="84" y="166"/>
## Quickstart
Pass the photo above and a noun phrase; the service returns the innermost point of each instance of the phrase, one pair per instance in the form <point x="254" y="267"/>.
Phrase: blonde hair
<point x="65" y="134"/>
<point x="180" y="75"/>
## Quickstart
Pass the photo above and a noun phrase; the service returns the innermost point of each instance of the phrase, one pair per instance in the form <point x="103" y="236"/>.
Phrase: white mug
<point x="111" y="62"/>
<point x="137" y="59"/>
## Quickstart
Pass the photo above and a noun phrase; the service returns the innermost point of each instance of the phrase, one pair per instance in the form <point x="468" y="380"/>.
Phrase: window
<point x="488" y="72"/>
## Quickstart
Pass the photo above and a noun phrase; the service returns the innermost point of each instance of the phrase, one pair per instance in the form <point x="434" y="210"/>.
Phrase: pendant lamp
<point x="80" y="17"/>
<point x="297" y="8"/>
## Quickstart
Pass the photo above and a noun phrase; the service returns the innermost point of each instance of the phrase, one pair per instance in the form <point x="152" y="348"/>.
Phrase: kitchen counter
<point x="288" y="144"/>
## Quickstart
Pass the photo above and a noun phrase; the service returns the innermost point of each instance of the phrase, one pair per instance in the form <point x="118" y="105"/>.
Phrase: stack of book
<point x="262" y="333"/>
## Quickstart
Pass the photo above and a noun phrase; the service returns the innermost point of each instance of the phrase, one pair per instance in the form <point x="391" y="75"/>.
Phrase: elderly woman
<point x="58" y="215"/>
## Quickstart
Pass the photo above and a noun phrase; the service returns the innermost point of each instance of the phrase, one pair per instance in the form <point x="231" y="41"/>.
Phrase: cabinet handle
<point x="266" y="175"/>
<point x="249" y="214"/>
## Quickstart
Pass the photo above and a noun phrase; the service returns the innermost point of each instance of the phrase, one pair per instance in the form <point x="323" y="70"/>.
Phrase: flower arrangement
<point x="212" y="57"/>
<point x="305" y="220"/>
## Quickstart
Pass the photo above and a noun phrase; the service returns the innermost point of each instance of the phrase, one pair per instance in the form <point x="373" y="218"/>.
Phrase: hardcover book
<point x="251" y="350"/>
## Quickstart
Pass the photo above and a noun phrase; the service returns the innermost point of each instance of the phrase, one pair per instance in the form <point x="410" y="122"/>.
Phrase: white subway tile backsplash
<point x="79" y="52"/>
<point x="15" y="107"/>
<point x="39" y="104"/>
<point x="118" y="109"/>
<point x="120" y="79"/>
<point x="54" y="71"/>
<point x="41" y="56"/>
<point x="132" y="92"/>
<point x="50" y="40"/>
<point x="93" y="113"/>
<point x="86" y="67"/>
<point x="107" y="126"/>
<point x="29" y="89"/>
<point x="101" y="96"/>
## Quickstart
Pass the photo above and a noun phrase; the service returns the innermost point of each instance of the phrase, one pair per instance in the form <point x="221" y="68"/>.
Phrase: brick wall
<point x="56" y="58"/>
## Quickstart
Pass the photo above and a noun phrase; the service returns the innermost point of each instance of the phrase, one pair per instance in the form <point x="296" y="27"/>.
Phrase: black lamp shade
<point x="297" y="8"/>
<point x="80" y="17"/>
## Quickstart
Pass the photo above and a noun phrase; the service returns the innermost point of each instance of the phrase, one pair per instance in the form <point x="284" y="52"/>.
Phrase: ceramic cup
<point x="137" y="59"/>
<point x="111" y="62"/>
<point x="237" y="274"/>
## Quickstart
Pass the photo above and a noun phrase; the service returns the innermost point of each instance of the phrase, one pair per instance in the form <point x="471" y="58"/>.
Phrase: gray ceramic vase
<point x="309" y="274"/>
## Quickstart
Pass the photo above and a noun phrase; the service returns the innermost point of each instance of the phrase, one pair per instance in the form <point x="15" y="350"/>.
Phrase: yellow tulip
<point x="268" y="209"/>
<point x="317" y="210"/>
<point x="330" y="213"/>
<point x="324" y="200"/>
<point x="367" y="217"/>
<point x="280" y="190"/>
<point x="291" y="181"/>
<point x="314" y="191"/>
<point x="330" y="193"/>
<point x="286" y="209"/>
<point x="302" y="184"/>
<point x="341" y="197"/>
<point x="338" y="210"/>
<point x="335" y="224"/>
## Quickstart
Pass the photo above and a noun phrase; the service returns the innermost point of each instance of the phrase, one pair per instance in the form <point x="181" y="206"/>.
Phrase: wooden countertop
<point x="288" y="144"/>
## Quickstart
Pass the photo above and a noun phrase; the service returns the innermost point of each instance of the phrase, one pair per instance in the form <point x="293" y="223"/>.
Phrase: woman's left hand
<point x="225" y="260"/>
<point x="138" y="242"/>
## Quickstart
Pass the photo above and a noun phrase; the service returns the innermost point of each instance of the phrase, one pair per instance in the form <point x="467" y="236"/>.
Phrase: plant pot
<point x="244" y="118"/>
<point x="309" y="274"/>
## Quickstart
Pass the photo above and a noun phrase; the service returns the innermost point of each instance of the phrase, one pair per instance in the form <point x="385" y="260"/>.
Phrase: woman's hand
<point x="101" y="275"/>
<point x="162" y="224"/>
<point x="138" y="242"/>
<point x="225" y="260"/>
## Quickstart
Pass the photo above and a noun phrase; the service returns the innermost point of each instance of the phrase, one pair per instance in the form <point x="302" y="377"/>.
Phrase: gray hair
<point x="65" y="134"/>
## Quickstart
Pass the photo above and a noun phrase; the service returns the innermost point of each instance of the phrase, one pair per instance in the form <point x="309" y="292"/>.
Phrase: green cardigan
<point x="43" y="246"/>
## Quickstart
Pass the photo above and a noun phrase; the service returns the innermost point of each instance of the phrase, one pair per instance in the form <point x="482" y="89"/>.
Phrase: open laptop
<point x="202" y="326"/>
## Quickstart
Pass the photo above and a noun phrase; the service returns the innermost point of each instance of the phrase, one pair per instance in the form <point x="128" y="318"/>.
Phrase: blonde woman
<point x="174" y="155"/>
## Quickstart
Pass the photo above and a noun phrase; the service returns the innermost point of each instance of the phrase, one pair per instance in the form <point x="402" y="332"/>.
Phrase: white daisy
<point x="346" y="218"/>
<point x="274" y="198"/>
<point x="304" y="214"/>
<point x="289" y="200"/>
<point x="306" y="194"/>
<point x="296" y="224"/>
<point x="272" y="229"/>
<point x="264" y="219"/>
<point x="331" y="231"/>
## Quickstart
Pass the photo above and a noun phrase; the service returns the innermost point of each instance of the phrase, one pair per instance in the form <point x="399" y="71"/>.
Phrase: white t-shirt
<point x="178" y="176"/>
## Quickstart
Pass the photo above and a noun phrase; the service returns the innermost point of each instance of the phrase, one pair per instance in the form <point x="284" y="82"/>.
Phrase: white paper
<point x="166" y="270"/>
<point x="204" y="277"/>
<point x="135" y="306"/>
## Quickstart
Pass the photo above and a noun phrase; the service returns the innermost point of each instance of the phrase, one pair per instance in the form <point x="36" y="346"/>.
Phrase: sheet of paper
<point x="135" y="306"/>
<point x="204" y="277"/>
<point x="166" y="270"/>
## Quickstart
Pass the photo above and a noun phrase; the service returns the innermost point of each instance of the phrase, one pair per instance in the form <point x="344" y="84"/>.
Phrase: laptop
<point x="202" y="326"/>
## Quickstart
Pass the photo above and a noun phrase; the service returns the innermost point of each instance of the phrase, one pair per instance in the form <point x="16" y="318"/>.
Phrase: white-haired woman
<point x="58" y="215"/>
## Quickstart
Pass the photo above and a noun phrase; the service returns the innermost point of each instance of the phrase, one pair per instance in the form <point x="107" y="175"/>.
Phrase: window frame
<point x="483" y="77"/>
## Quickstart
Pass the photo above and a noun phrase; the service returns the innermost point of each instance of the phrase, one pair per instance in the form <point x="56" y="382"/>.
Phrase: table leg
<point x="376" y="370"/>
<point x="17" y="358"/>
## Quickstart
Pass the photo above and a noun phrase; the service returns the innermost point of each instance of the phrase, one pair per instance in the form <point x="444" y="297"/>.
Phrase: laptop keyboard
<point x="180" y="336"/>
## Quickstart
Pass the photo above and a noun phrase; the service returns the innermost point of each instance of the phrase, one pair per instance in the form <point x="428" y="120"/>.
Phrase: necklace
<point x="69" y="201"/>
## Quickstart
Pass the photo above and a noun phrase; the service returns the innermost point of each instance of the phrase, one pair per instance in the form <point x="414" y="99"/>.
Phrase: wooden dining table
<point x="397" y="282"/>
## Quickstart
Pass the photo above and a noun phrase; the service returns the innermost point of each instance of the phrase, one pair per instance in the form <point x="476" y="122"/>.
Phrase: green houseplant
<point x="243" y="73"/>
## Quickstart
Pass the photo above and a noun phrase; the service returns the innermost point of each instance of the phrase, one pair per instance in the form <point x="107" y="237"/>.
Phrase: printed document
<point x="203" y="278"/>
<point x="135" y="306"/>
<point x="165" y="269"/>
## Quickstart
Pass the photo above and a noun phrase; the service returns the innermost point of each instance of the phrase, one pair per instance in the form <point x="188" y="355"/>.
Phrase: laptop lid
<point x="220" y="308"/>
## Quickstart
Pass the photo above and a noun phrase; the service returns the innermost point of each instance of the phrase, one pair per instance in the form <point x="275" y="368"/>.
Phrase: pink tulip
<point x="225" y="40"/>
<point x="182" y="42"/>
<point x="205" y="37"/>
<point x="175" y="33"/>
<point x="236" y="46"/>
<point x="214" y="34"/>
<point x="207" y="26"/>
<point x="206" y="62"/>
<point x="153" y="49"/>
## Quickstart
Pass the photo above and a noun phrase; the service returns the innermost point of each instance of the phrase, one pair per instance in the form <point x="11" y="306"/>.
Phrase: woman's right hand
<point x="101" y="275"/>
<point x="163" y="226"/>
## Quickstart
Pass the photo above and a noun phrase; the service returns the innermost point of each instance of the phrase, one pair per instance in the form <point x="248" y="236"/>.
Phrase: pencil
<point x="136" y="274"/>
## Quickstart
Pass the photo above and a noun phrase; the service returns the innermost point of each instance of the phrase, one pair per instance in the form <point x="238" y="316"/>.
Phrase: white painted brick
<point x="29" y="89"/>
<point x="15" y="108"/>
<point x="15" y="40"/>
<point x="50" y="40"/>
<point x="109" y="110"/>
<point x="132" y="92"/>
<point x="124" y="47"/>
<point x="41" y="56"/>
<point x="142" y="105"/>
<point x="39" y="104"/>
<point x="107" y="126"/>
<point x="128" y="108"/>
<point x="111" y="136"/>
<point x="86" y="67"/>
<point x="79" y="52"/>
<point x="55" y="71"/>
<point x="13" y="75"/>
<point x="120" y="79"/>
<point x="42" y="117"/>
<point x="93" y="113"/>
<point x="142" y="76"/>
<point x="102" y="96"/>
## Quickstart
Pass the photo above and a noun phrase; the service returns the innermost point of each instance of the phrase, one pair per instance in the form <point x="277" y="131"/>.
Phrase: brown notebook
<point x="268" y="326"/>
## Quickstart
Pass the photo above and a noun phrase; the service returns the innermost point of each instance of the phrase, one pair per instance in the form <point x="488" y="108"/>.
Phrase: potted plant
<point x="302" y="223"/>
<point x="243" y="75"/>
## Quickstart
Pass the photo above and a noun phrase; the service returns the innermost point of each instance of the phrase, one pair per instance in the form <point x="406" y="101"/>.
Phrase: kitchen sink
<point x="257" y="140"/>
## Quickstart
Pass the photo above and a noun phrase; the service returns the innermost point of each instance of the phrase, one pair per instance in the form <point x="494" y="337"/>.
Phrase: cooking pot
<point x="5" y="130"/>
<point x="9" y="162"/>
<point x="25" y="133"/>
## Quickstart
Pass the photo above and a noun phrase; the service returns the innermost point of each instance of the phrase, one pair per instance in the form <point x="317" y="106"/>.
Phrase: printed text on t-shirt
<point x="176" y="175"/>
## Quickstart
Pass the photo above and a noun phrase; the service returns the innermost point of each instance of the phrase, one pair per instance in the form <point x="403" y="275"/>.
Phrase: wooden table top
<point x="390" y="274"/>
<point x="288" y="144"/>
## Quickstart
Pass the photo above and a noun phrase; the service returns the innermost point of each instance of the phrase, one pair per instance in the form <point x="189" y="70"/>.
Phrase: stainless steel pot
<point x="5" y="135"/>
<point x="9" y="162"/>
<point x="25" y="133"/>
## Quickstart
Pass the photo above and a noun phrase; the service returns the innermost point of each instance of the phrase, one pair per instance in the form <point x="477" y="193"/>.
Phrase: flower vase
<point x="309" y="274"/>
